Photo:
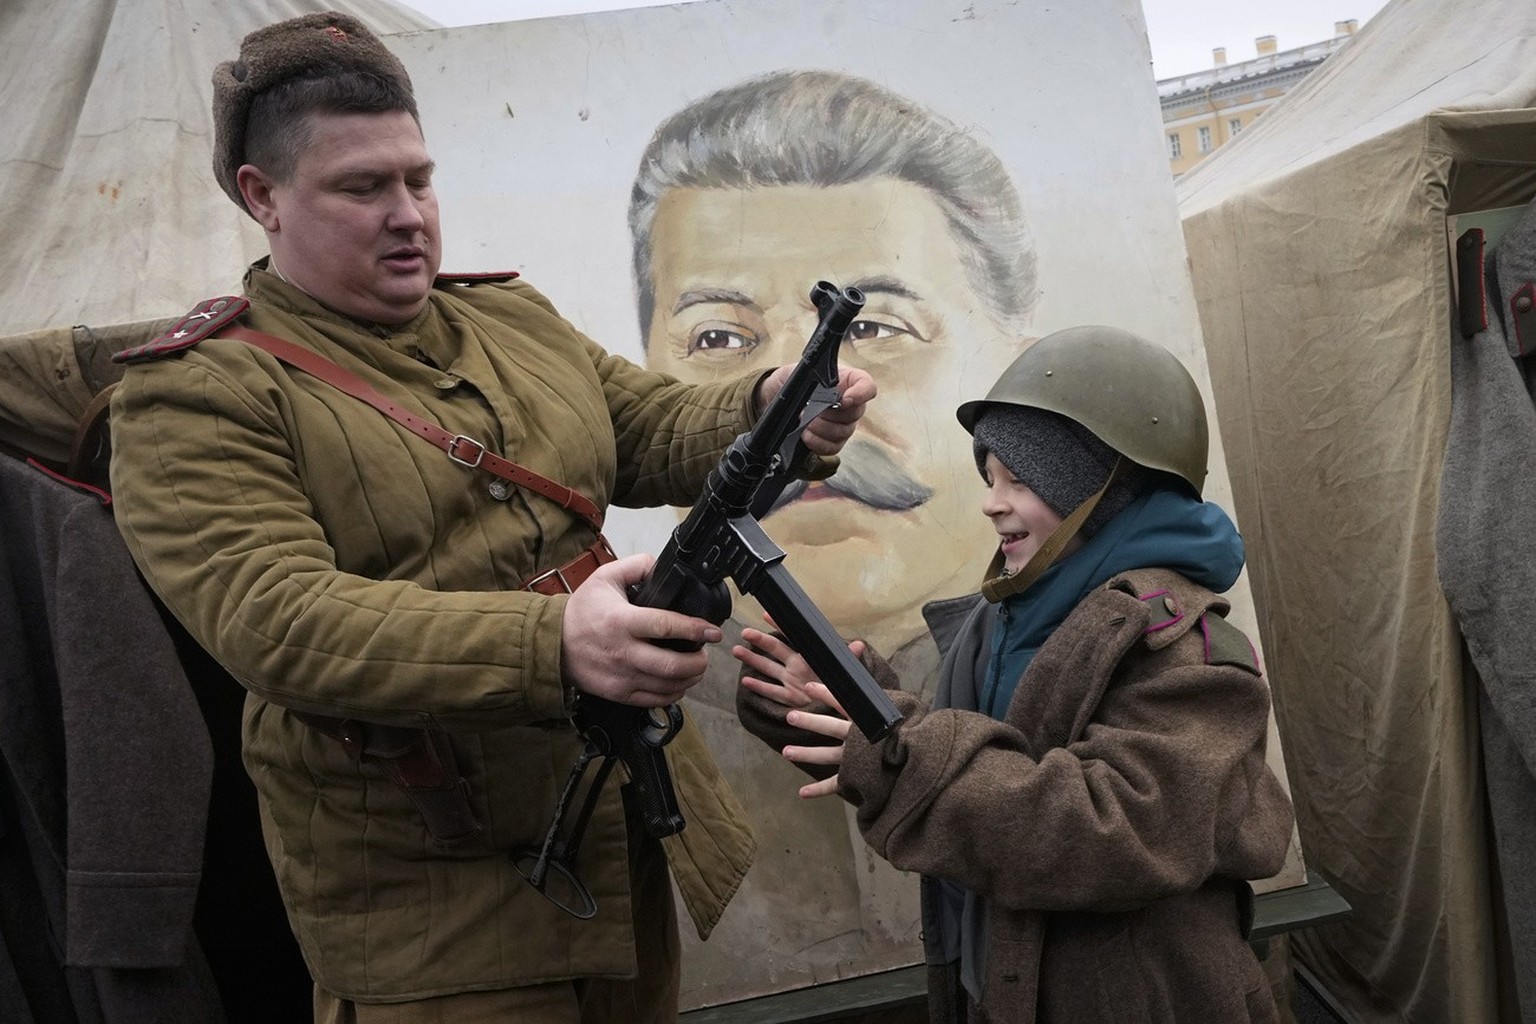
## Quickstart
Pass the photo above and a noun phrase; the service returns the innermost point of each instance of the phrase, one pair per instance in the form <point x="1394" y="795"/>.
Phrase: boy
<point x="1088" y="793"/>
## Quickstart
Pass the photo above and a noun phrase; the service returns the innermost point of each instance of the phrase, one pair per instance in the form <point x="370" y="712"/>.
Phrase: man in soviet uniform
<point x="371" y="589"/>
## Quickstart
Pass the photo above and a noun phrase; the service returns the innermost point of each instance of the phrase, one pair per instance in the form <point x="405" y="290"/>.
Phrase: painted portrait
<point x="742" y="201"/>
<point x="677" y="179"/>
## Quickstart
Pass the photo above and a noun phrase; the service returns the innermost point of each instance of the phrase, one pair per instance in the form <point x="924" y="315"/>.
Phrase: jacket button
<point x="446" y="383"/>
<point x="1523" y="304"/>
<point x="500" y="490"/>
<point x="1168" y="605"/>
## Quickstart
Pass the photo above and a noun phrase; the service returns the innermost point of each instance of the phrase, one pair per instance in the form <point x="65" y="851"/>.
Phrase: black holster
<point x="420" y="761"/>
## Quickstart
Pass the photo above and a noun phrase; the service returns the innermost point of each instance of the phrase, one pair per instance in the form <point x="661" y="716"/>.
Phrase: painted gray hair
<point x="826" y="128"/>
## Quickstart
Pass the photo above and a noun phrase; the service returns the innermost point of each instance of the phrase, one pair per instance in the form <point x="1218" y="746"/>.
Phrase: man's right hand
<point x="606" y="643"/>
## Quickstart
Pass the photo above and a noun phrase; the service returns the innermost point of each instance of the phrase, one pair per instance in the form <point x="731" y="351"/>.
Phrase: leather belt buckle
<point x="561" y="585"/>
<point x="566" y="578"/>
<point x="474" y="459"/>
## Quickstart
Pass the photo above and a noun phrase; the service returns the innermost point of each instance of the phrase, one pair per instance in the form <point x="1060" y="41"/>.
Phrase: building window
<point x="1174" y="149"/>
<point x="1205" y="139"/>
<point x="1235" y="125"/>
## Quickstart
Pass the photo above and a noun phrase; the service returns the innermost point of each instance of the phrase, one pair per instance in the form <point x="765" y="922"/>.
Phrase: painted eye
<point x="716" y="339"/>
<point x="877" y="332"/>
<point x="872" y="330"/>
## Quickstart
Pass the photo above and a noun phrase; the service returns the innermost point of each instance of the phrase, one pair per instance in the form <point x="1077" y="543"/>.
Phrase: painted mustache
<point x="867" y="473"/>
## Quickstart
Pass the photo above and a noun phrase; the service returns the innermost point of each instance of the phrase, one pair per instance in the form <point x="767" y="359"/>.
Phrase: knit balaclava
<point x="1059" y="459"/>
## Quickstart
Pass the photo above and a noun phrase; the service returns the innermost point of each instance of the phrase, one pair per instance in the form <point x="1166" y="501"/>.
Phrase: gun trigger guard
<point x="659" y="734"/>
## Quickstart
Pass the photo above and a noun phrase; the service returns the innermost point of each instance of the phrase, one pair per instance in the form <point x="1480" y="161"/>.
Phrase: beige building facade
<point x="1205" y="109"/>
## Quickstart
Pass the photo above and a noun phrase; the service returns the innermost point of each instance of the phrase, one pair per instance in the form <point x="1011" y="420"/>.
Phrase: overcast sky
<point x="1182" y="33"/>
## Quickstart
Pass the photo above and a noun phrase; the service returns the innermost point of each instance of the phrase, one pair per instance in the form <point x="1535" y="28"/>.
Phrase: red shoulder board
<point x="487" y="277"/>
<point x="206" y="320"/>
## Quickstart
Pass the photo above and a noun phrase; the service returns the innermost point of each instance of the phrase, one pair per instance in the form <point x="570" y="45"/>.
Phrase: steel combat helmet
<point x="1134" y="395"/>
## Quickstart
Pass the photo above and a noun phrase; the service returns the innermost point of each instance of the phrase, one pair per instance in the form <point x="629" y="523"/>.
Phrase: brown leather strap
<point x="574" y="573"/>
<point x="461" y="449"/>
<point x="421" y="761"/>
<point x="90" y="442"/>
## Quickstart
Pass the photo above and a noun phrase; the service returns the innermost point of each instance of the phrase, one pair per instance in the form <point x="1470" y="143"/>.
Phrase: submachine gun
<point x="719" y="539"/>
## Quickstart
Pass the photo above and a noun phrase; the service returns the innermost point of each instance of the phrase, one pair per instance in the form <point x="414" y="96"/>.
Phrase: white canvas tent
<point x="105" y="149"/>
<point x="1318" y="247"/>
<point x="109" y="207"/>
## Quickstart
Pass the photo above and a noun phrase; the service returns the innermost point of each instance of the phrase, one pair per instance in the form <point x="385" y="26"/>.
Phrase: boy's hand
<point x="823" y="725"/>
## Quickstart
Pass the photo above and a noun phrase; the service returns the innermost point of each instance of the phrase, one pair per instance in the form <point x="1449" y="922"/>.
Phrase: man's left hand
<point x="831" y="430"/>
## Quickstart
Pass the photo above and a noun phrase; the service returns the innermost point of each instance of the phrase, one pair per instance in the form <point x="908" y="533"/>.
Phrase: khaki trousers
<point x="648" y="998"/>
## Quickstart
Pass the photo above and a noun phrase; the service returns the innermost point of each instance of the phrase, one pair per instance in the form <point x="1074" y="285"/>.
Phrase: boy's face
<point x="1022" y="520"/>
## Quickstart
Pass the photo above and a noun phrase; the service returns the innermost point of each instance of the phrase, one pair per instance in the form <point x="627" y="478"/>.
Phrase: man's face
<point x="357" y="226"/>
<point x="733" y="270"/>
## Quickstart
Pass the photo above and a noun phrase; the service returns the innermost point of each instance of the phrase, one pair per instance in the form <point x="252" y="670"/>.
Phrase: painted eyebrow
<point x="705" y="296"/>
<point x="878" y="285"/>
<point x="886" y="285"/>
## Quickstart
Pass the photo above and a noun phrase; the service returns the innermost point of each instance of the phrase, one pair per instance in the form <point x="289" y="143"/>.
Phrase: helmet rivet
<point x="1154" y="419"/>
<point x="1049" y="372"/>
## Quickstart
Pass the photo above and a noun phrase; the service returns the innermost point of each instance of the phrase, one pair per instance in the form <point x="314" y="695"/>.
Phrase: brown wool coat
<point x="1108" y="820"/>
<point x="338" y="565"/>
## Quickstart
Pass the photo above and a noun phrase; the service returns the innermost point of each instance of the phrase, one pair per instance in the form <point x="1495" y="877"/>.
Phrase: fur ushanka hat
<point x="311" y="46"/>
